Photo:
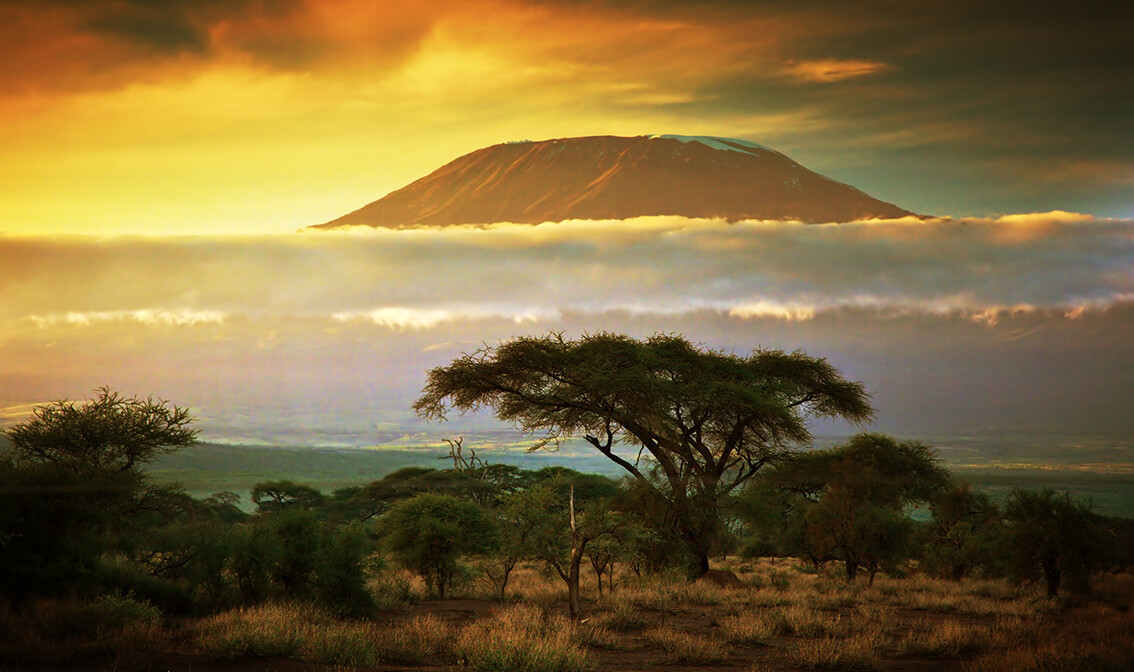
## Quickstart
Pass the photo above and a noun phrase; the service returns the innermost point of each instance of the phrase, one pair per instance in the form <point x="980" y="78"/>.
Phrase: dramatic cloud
<point x="221" y="117"/>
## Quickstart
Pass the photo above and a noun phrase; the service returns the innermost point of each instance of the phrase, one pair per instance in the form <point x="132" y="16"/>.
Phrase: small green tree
<point x="1052" y="537"/>
<point x="72" y="488"/>
<point x="430" y="533"/>
<point x="859" y="491"/>
<point x="965" y="534"/>
<point x="377" y="497"/>
<point x="859" y="532"/>
<point x="522" y="520"/>
<point x="299" y="537"/>
<point x="255" y="550"/>
<point x="341" y="568"/>
<point x="284" y="494"/>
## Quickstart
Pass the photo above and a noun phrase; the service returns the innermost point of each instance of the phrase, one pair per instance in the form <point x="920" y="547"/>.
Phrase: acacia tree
<point x="709" y="420"/>
<point x="279" y="495"/>
<point x="110" y="434"/>
<point x="72" y="484"/>
<point x="965" y="533"/>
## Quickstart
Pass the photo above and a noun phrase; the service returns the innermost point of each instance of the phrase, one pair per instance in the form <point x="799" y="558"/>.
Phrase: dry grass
<point x="811" y="621"/>
<point x="517" y="638"/>
<point x="686" y="647"/>
<point x="521" y="638"/>
<point x="950" y="639"/>
<point x="1096" y="638"/>
<point x="416" y="639"/>
<point x="622" y="616"/>
<point x="750" y="627"/>
<point x="265" y="630"/>
<point x="860" y="651"/>
<point x="805" y="622"/>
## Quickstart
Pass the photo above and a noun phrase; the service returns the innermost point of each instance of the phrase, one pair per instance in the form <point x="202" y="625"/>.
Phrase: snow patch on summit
<point x="724" y="144"/>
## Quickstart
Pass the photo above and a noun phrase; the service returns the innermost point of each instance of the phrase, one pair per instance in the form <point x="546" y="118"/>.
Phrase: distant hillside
<point x="607" y="177"/>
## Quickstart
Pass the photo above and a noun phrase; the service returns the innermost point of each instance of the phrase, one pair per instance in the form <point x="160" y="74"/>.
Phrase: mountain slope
<point x="607" y="177"/>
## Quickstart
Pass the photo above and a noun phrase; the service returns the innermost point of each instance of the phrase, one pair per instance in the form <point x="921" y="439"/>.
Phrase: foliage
<point x="105" y="435"/>
<point x="848" y="501"/>
<point x="255" y="549"/>
<point x="279" y="495"/>
<point x="1052" y="537"/>
<point x="709" y="420"/>
<point x="298" y="537"/>
<point x="859" y="532"/>
<point x="965" y="534"/>
<point x="341" y="569"/>
<point x="431" y="532"/>
<point x="72" y="489"/>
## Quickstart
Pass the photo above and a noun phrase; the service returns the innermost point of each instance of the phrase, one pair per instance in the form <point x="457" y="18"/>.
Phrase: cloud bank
<point x="955" y="326"/>
<point x="1057" y="262"/>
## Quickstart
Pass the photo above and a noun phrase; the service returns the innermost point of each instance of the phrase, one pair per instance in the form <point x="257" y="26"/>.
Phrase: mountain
<point x="607" y="177"/>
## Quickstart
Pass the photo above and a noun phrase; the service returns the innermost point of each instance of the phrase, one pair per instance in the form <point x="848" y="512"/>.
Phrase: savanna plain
<point x="868" y="554"/>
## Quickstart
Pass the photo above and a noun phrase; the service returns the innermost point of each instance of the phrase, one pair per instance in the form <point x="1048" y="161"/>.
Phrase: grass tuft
<point x="520" y="639"/>
<point x="684" y="647"/>
<point x="750" y="627"/>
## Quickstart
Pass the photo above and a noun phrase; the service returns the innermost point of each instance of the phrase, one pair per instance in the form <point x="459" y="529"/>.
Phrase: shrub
<point x="340" y="571"/>
<point x="431" y="532"/>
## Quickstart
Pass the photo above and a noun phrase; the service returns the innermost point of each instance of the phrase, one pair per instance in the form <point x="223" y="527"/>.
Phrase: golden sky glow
<point x="233" y="123"/>
<point x="244" y="117"/>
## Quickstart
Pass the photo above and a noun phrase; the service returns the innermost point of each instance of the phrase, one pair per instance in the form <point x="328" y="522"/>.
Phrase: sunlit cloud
<point x="426" y="318"/>
<point x="151" y="318"/>
<point x="982" y="269"/>
<point x="827" y="71"/>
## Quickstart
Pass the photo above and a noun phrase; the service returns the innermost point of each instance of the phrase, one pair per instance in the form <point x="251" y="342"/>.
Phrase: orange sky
<point x="210" y="116"/>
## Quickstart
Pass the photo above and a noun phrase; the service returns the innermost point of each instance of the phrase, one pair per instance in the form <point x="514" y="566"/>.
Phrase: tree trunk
<point x="1053" y="574"/>
<point x="702" y="560"/>
<point x="598" y="574"/>
<point x="504" y="580"/>
<point x="578" y="543"/>
<point x="851" y="566"/>
<point x="573" y="582"/>
<point x="699" y="562"/>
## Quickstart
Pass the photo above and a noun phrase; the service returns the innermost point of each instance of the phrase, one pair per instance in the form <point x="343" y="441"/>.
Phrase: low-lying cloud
<point x="1020" y="323"/>
<point x="978" y="268"/>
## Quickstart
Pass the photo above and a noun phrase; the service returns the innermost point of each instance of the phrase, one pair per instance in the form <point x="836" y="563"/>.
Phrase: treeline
<point x="79" y="516"/>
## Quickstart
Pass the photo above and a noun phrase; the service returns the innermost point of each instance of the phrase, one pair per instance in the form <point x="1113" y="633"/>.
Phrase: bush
<point x="1053" y="538"/>
<point x="431" y="532"/>
<point x="341" y="570"/>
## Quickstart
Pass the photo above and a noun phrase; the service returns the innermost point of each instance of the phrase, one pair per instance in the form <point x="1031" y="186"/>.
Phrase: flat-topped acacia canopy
<point x="709" y="420"/>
